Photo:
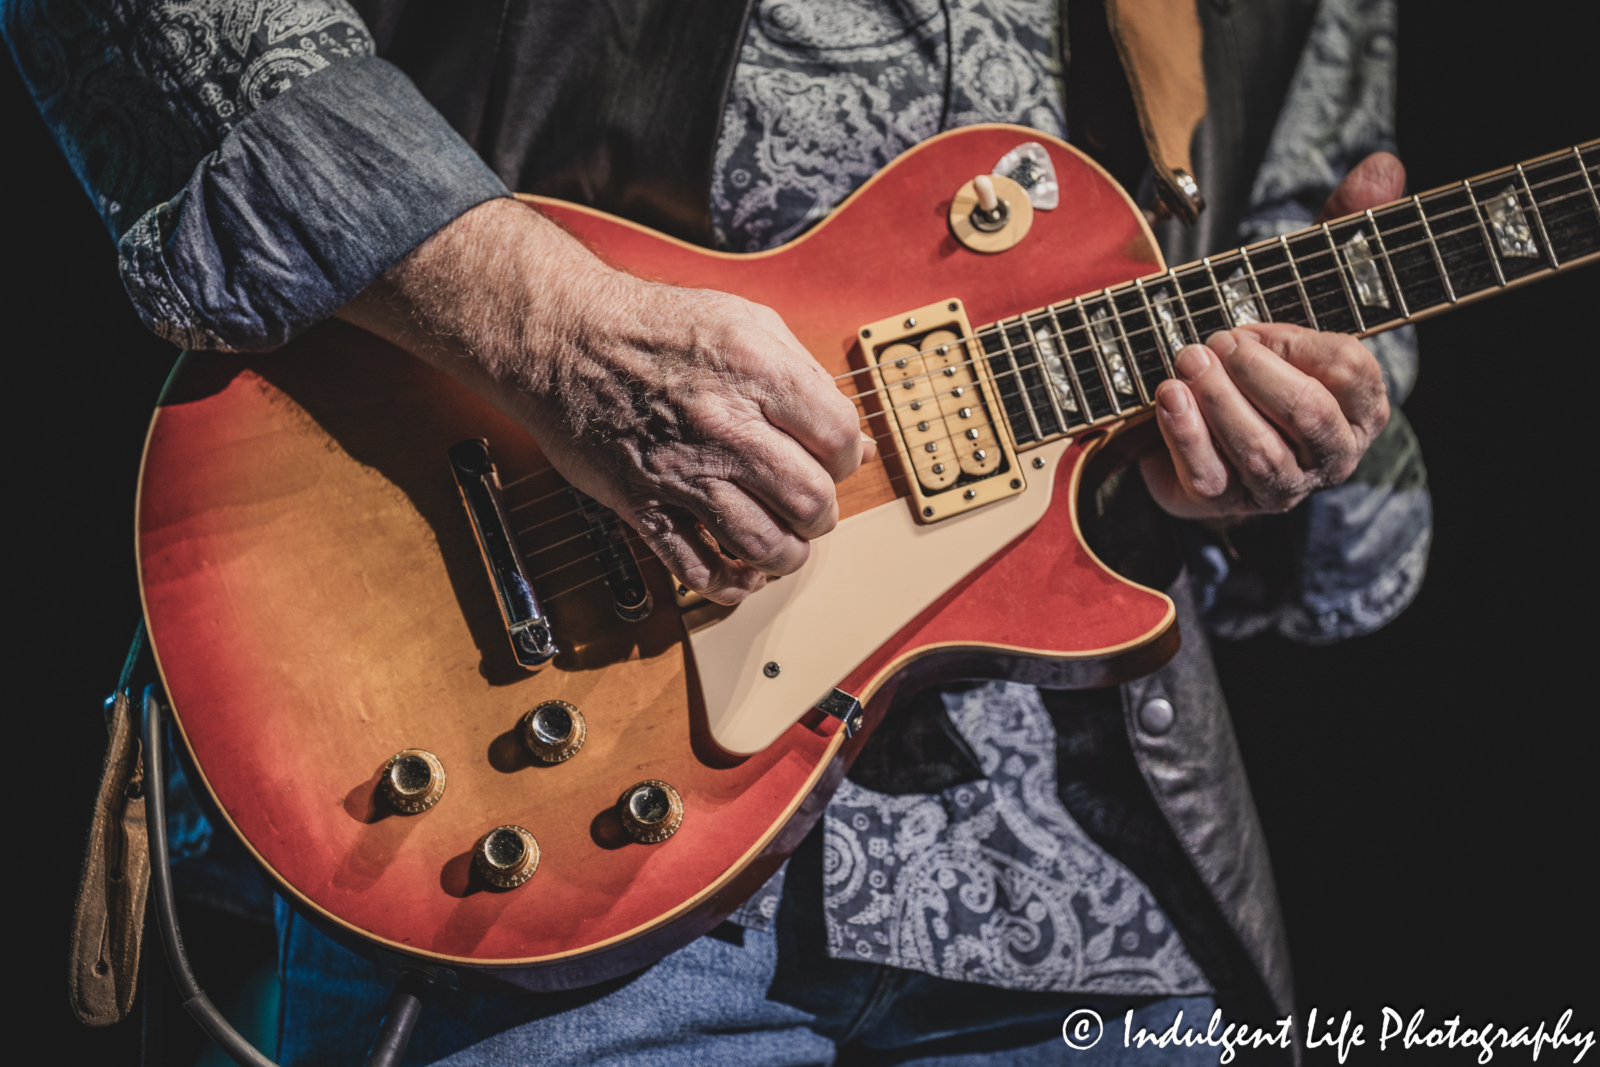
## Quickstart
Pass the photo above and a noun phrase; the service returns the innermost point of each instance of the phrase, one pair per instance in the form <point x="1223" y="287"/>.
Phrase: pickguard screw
<point x="771" y="670"/>
<point x="1038" y="463"/>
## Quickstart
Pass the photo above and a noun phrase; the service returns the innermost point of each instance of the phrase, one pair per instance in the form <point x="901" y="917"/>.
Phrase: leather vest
<point x="617" y="104"/>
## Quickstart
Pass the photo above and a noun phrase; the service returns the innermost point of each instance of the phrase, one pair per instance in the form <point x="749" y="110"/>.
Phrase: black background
<point x="1428" y="792"/>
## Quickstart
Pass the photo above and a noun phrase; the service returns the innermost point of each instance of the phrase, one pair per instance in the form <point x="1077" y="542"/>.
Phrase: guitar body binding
<point x="316" y="603"/>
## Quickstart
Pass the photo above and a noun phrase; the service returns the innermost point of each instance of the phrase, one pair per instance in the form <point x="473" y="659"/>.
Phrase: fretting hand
<point x="1262" y="416"/>
<point x="686" y="411"/>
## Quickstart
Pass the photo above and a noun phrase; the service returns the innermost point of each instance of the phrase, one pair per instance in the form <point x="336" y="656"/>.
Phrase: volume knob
<point x="554" y="731"/>
<point x="506" y="856"/>
<point x="413" y="780"/>
<point x="651" y="811"/>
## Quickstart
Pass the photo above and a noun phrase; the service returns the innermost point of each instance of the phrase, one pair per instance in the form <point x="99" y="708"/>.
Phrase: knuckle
<point x="763" y="549"/>
<point x="1262" y="460"/>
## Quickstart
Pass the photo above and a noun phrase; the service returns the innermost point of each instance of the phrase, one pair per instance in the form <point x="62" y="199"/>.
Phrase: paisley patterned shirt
<point x="993" y="881"/>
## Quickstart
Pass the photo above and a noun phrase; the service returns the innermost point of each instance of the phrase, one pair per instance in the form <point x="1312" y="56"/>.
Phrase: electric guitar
<point x="463" y="718"/>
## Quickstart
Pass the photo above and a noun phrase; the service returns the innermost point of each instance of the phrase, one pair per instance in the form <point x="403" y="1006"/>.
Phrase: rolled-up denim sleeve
<point x="1350" y="558"/>
<point x="256" y="163"/>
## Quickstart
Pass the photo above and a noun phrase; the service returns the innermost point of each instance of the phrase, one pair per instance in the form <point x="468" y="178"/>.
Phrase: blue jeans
<point x="737" y="997"/>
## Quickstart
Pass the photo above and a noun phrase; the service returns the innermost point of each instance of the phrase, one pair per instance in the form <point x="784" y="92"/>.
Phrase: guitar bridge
<point x="526" y="625"/>
<point x="935" y="393"/>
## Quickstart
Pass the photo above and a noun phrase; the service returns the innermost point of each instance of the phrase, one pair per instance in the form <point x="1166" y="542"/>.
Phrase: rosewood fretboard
<point x="1362" y="274"/>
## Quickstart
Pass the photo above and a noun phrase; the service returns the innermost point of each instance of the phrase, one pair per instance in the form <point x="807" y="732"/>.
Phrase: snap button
<point x="1156" y="716"/>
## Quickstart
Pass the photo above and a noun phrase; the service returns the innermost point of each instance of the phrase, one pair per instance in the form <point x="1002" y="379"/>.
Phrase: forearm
<point x="695" y="415"/>
<point x="253" y="189"/>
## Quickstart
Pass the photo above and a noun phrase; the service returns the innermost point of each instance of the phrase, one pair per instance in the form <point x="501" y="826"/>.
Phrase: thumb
<point x="1376" y="180"/>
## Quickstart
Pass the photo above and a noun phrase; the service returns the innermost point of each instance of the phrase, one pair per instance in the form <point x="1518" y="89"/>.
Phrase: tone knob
<point x="554" y="731"/>
<point x="650" y="811"/>
<point x="506" y="856"/>
<point x="413" y="780"/>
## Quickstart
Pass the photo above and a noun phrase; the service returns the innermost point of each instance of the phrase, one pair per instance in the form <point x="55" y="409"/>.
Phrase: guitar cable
<point x="405" y="1003"/>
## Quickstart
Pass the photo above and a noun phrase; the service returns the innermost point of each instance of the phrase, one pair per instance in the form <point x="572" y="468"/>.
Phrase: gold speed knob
<point x="413" y="780"/>
<point x="506" y="856"/>
<point x="651" y="811"/>
<point x="554" y="731"/>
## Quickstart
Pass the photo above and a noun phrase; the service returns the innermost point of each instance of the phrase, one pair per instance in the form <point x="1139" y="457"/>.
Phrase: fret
<point x="1183" y="303"/>
<point x="1034" y="372"/>
<point x="1127" y="349"/>
<point x="1483" y="231"/>
<point x="1305" y="301"/>
<point x="1222" y="307"/>
<point x="1022" y="385"/>
<point x="1143" y="346"/>
<point x="1163" y="342"/>
<point x="1433" y="245"/>
<point x="1394" y="281"/>
<point x="1098" y="354"/>
<point x="1368" y="294"/>
<point x="1349" y="295"/>
<point x="1538" y="219"/>
<point x="1007" y="383"/>
<point x="1056" y="387"/>
<point x="1400" y="227"/>
<point x="1064" y="357"/>
<point x="1565" y="206"/>
<point x="1583" y="169"/>
<point x="1250" y="272"/>
<point x="1322" y="278"/>
<point x="1472" y="266"/>
<point x="1096" y="389"/>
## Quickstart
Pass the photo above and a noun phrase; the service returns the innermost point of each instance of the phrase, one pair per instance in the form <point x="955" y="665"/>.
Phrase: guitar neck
<point x="1098" y="358"/>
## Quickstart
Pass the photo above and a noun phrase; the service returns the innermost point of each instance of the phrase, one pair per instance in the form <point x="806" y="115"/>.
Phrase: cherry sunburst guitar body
<point x="318" y="602"/>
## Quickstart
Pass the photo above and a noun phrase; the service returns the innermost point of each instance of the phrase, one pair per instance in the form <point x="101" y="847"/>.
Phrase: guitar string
<point x="1312" y="232"/>
<point x="1178" y="274"/>
<point x="1069" y="351"/>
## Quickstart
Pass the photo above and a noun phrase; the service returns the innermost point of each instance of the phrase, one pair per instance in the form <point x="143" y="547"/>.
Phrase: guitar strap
<point x="1159" y="44"/>
<point x="108" y="918"/>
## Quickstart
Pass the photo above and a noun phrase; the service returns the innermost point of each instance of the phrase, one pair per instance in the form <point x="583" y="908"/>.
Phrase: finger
<point x="786" y="478"/>
<point x="1265" y="464"/>
<point x="742" y="448"/>
<point x="748" y="531"/>
<point x="1344" y="366"/>
<point x="807" y="404"/>
<point x="1297" y="403"/>
<point x="1190" y="479"/>
<point x="676" y="538"/>
<point x="1376" y="180"/>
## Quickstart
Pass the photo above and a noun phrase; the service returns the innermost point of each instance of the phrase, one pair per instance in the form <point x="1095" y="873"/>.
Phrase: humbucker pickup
<point x="935" y="396"/>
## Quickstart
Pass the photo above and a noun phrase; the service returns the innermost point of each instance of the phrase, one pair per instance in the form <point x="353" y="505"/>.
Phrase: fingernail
<point x="1192" y="362"/>
<point x="1173" y="398"/>
<point x="1222" y="343"/>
